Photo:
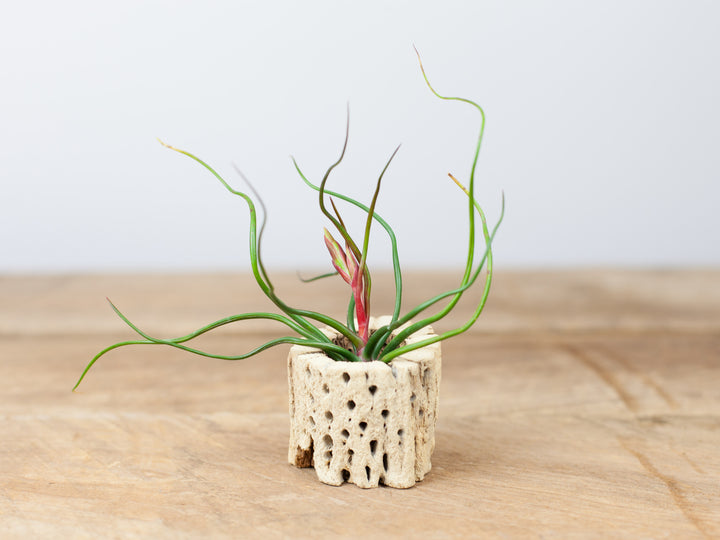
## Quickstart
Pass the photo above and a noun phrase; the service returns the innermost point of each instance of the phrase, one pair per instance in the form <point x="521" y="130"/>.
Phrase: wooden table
<point x="584" y="404"/>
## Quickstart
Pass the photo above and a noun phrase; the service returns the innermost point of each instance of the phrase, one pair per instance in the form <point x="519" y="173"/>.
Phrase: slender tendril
<point x="262" y="225"/>
<point x="316" y="278"/>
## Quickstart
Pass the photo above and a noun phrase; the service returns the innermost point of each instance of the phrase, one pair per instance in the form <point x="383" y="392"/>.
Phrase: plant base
<point x="366" y="423"/>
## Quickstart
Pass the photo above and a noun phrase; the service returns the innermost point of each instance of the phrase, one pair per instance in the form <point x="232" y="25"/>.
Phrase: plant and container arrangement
<point x="363" y="393"/>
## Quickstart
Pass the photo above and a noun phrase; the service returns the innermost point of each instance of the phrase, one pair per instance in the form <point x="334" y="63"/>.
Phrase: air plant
<point x="350" y="263"/>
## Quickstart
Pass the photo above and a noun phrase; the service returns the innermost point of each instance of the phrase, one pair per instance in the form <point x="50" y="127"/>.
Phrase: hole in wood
<point x="327" y="441"/>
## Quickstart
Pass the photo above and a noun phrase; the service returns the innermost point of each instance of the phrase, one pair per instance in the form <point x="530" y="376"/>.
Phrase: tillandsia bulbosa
<point x="350" y="262"/>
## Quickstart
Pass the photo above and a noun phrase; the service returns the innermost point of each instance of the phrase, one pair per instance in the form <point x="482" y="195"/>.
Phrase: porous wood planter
<point x="366" y="423"/>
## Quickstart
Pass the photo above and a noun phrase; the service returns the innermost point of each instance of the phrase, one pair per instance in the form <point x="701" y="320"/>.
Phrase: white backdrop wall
<point x="602" y="129"/>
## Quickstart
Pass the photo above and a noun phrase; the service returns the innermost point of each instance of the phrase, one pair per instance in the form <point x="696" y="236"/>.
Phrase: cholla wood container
<point x="366" y="423"/>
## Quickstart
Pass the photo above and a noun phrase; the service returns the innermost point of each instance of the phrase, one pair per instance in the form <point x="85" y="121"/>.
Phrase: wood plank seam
<point x="672" y="486"/>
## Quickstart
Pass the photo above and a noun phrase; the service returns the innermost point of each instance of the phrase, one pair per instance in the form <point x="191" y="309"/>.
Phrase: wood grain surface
<point x="584" y="404"/>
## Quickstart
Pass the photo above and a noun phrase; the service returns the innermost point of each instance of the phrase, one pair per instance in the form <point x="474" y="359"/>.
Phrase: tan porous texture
<point x="365" y="422"/>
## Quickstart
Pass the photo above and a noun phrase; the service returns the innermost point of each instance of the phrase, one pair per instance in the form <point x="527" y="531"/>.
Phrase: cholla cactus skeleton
<point x="350" y="264"/>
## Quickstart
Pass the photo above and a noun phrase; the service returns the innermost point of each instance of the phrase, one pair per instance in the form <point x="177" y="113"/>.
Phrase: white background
<point x="603" y="130"/>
